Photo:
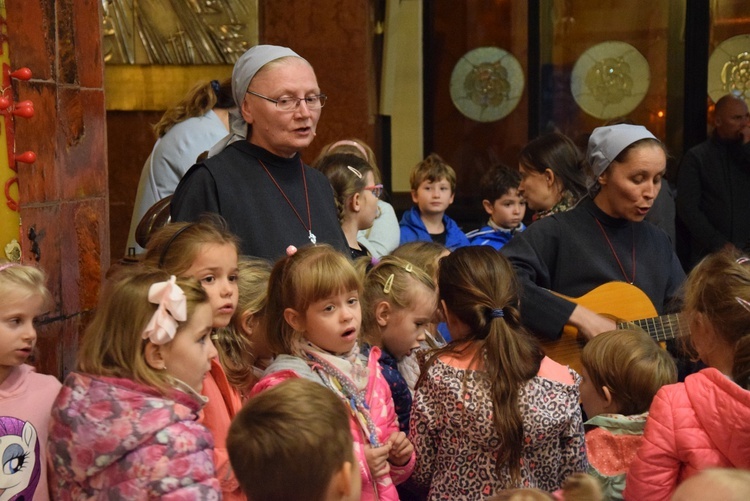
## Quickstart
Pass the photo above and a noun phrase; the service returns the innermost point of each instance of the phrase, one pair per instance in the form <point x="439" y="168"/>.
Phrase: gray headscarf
<point x="605" y="143"/>
<point x="244" y="70"/>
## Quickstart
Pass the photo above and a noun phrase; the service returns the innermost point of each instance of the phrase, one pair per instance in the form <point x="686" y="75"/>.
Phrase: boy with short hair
<point x="622" y="371"/>
<point x="505" y="206"/>
<point x="433" y="185"/>
<point x="292" y="442"/>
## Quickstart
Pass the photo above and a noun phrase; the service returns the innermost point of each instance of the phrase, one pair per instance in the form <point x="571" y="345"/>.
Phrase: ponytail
<point x="197" y="102"/>
<point x="480" y="288"/>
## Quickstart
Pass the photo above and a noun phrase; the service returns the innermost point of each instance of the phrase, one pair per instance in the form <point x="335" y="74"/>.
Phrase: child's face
<point x="507" y="211"/>
<point x="433" y="198"/>
<point x="215" y="267"/>
<point x="403" y="329"/>
<point x="594" y="403"/>
<point x="188" y="356"/>
<point x="368" y="204"/>
<point x="333" y="323"/>
<point x="17" y="332"/>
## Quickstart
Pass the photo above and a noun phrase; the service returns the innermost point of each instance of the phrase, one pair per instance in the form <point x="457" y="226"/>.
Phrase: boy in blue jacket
<point x="504" y="205"/>
<point x="433" y="185"/>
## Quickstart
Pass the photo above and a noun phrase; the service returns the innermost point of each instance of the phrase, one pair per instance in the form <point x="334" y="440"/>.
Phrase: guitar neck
<point x="660" y="328"/>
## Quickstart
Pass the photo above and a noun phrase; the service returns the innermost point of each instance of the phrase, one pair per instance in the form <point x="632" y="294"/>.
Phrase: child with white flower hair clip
<point x="125" y="423"/>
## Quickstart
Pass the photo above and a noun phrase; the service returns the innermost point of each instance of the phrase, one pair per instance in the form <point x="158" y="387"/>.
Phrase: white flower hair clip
<point x="172" y="309"/>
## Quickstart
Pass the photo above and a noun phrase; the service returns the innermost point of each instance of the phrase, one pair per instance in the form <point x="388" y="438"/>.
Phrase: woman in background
<point x="185" y="131"/>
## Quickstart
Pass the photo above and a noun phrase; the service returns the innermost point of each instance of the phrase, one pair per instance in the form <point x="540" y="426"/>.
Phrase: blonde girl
<point x="355" y="193"/>
<point x="702" y="423"/>
<point x="383" y="236"/>
<point x="490" y="402"/>
<point x="427" y="255"/>
<point x="124" y="425"/>
<point x="25" y="396"/>
<point x="314" y="323"/>
<point x="399" y="304"/>
<point x="207" y="251"/>
<point x="250" y="354"/>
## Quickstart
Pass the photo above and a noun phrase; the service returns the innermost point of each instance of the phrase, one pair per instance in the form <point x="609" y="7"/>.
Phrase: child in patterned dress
<point x="491" y="412"/>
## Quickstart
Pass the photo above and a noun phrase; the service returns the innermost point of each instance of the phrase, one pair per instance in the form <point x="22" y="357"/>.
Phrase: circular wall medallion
<point x="729" y="69"/>
<point x="610" y="79"/>
<point x="486" y="84"/>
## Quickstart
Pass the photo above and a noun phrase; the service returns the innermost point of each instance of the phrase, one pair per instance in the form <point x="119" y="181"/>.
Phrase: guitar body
<point x="618" y="300"/>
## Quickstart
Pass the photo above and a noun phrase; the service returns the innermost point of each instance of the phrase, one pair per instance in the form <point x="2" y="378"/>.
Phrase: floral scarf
<point x="567" y="202"/>
<point x="347" y="376"/>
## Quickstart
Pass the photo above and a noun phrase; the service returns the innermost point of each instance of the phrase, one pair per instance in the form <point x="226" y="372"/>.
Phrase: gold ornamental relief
<point x="610" y="79"/>
<point x="486" y="84"/>
<point x="729" y="69"/>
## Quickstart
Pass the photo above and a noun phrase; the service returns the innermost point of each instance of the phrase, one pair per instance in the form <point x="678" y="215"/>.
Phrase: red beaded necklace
<point x="612" y="248"/>
<point x="310" y="234"/>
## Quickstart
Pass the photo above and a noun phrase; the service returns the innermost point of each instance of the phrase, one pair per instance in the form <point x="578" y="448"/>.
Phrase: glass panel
<point x="729" y="48"/>
<point x="594" y="70"/>
<point x="475" y="89"/>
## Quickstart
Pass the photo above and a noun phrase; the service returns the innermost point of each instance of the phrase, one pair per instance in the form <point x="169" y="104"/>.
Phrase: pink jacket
<point x="379" y="399"/>
<point x="691" y="426"/>
<point x="114" y="438"/>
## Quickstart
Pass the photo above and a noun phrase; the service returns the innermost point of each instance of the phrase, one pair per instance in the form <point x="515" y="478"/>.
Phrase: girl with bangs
<point x="314" y="323"/>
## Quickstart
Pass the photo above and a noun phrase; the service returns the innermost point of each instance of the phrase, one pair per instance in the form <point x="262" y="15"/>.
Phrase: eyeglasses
<point x="285" y="103"/>
<point x="376" y="189"/>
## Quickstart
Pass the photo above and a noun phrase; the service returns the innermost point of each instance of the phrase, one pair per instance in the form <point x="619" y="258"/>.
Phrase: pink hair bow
<point x="172" y="308"/>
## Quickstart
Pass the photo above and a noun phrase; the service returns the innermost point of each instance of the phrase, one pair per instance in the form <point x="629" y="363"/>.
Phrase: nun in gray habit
<point x="255" y="178"/>
<point x="603" y="239"/>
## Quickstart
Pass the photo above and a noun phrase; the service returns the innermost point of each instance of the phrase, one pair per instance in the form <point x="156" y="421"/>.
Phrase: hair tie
<point x="355" y="171"/>
<point x="291" y="250"/>
<point x="5" y="266"/>
<point x="216" y="86"/>
<point x="743" y="260"/>
<point x="172" y="308"/>
<point x="388" y="284"/>
<point x="497" y="313"/>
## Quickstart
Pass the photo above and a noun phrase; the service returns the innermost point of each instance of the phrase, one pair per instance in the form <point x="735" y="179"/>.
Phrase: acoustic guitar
<point x="624" y="303"/>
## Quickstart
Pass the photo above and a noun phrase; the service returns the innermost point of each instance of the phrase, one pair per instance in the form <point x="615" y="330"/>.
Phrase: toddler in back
<point x="124" y="425"/>
<point x="25" y="396"/>
<point x="622" y="371"/>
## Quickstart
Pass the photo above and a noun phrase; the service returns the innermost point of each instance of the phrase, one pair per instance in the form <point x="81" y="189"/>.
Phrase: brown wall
<point x="336" y="36"/>
<point x="63" y="196"/>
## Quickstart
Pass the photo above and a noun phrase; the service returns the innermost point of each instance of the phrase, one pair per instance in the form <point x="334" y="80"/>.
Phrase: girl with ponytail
<point x="490" y="411"/>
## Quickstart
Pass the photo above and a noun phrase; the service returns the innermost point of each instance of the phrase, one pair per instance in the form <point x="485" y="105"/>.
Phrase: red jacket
<point x="691" y="426"/>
